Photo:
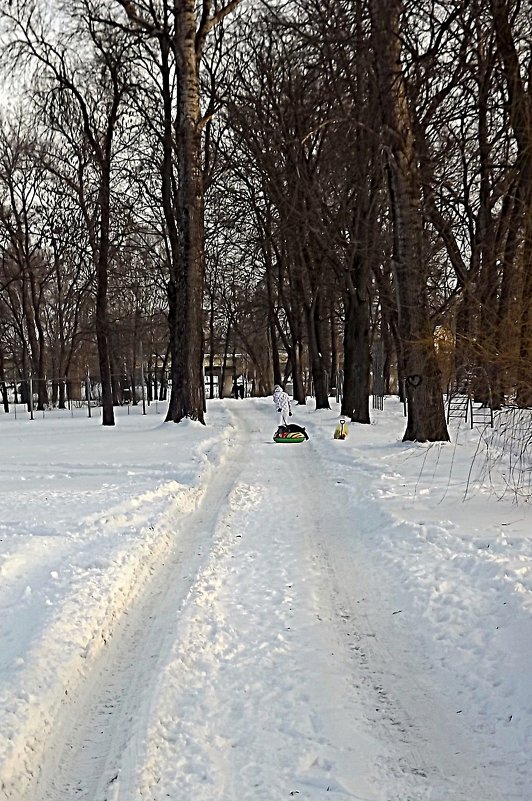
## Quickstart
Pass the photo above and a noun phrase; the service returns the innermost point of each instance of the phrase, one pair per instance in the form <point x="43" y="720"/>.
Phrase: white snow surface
<point x="196" y="612"/>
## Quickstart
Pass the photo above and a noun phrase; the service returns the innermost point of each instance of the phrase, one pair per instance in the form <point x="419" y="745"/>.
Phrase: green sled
<point x="288" y="436"/>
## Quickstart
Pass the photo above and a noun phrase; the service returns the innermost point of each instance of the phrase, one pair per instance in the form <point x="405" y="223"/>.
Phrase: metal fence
<point x="29" y="396"/>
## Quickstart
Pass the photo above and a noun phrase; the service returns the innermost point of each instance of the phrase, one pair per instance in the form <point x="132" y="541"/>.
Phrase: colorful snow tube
<point x="288" y="436"/>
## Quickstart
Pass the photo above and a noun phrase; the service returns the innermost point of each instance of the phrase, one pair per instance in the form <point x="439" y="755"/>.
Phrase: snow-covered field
<point x="193" y="612"/>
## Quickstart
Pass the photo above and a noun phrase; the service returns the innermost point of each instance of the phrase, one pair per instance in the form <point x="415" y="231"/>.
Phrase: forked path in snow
<point x="266" y="660"/>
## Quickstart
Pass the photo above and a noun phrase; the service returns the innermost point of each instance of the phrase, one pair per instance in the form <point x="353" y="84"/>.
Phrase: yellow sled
<point x="341" y="431"/>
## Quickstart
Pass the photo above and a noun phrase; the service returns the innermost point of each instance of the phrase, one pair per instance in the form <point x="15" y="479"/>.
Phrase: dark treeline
<point x="306" y="182"/>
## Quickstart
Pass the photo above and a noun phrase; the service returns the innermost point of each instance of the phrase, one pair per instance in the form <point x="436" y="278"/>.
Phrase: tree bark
<point x="187" y="397"/>
<point x="317" y="365"/>
<point x="426" y="413"/>
<point x="520" y="105"/>
<point x="355" y="399"/>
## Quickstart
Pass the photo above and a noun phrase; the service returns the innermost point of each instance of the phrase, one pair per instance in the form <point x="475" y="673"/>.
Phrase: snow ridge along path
<point x="85" y="762"/>
<point x="65" y="586"/>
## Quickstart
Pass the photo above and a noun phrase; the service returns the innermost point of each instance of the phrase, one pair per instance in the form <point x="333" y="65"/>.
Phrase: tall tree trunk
<point x="524" y="372"/>
<point x="355" y="399"/>
<point x="187" y="397"/>
<point x="3" y="385"/>
<point x="211" y="347"/>
<point x="276" y="364"/>
<point x="292" y="346"/>
<point x="317" y="364"/>
<point x="298" y="391"/>
<point x="520" y="105"/>
<point x="101" y="321"/>
<point x="426" y="413"/>
<point x="224" y="361"/>
<point x="181" y="28"/>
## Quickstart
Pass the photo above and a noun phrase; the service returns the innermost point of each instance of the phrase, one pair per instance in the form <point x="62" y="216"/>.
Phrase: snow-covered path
<point x="276" y="651"/>
<point x="84" y="758"/>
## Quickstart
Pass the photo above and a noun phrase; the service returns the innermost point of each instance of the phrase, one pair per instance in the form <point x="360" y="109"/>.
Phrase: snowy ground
<point x="194" y="612"/>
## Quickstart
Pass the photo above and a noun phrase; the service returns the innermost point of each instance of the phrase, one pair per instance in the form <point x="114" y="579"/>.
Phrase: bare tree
<point x="426" y="416"/>
<point x="25" y="272"/>
<point x="517" y="72"/>
<point x="173" y="35"/>
<point x="83" y="79"/>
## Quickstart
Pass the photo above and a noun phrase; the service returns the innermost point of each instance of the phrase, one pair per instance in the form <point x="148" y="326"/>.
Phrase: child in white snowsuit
<point x="282" y="404"/>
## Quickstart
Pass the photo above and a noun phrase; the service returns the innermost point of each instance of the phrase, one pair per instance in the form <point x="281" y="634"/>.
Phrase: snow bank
<point x="66" y="581"/>
<point x="459" y="551"/>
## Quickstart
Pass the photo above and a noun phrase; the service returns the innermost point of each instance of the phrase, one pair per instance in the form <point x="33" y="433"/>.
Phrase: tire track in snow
<point x="256" y="702"/>
<point x="23" y="571"/>
<point x="289" y="673"/>
<point x="430" y="754"/>
<point x="84" y="758"/>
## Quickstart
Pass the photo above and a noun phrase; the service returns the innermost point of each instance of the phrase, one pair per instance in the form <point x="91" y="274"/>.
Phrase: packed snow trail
<point x="81" y="528"/>
<point x="83" y="758"/>
<point x="267" y="659"/>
